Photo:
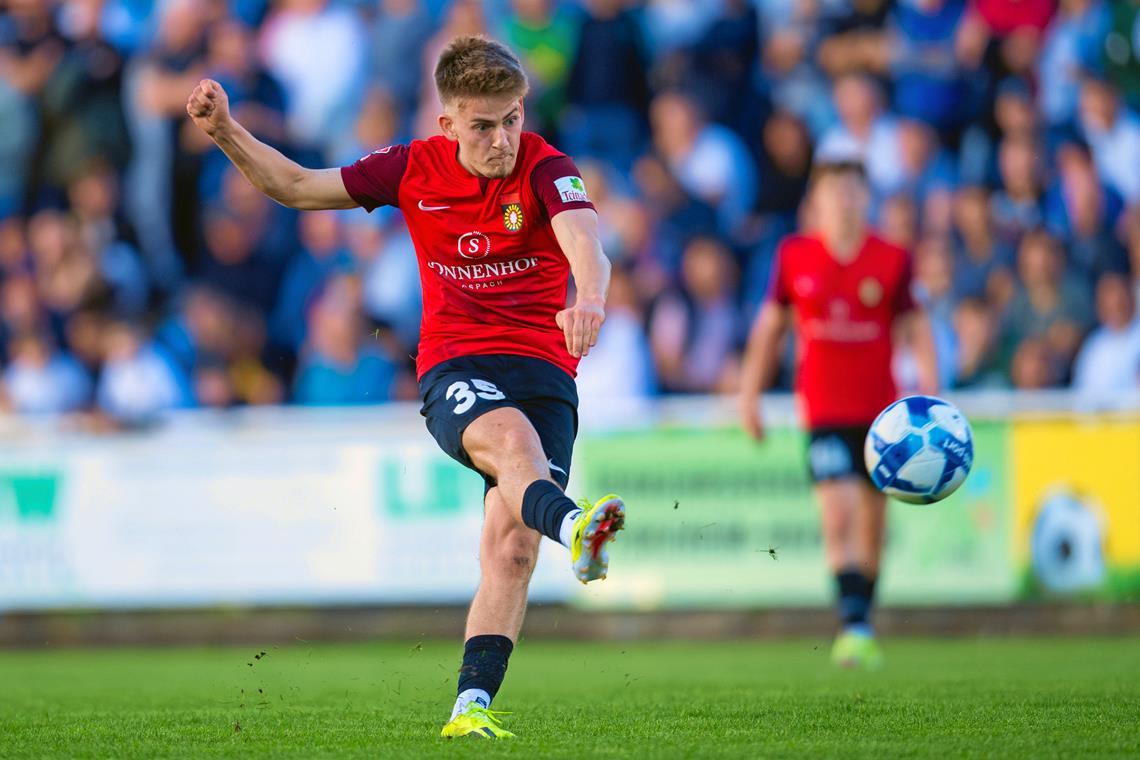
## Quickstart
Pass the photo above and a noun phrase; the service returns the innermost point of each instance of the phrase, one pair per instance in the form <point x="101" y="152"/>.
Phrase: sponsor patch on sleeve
<point x="572" y="190"/>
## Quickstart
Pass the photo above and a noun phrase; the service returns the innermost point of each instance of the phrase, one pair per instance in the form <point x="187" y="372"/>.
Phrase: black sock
<point x="484" y="663"/>
<point x="855" y="593"/>
<point x="544" y="506"/>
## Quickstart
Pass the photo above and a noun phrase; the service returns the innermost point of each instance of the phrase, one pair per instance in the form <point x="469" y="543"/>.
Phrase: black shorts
<point x="458" y="391"/>
<point x="834" y="453"/>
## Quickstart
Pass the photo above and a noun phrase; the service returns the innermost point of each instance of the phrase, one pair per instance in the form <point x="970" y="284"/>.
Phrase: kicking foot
<point x="476" y="720"/>
<point x="595" y="527"/>
<point x="857" y="650"/>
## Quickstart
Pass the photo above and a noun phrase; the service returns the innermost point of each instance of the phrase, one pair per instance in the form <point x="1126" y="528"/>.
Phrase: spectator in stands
<point x="1113" y="133"/>
<point x="1109" y="361"/>
<point x="930" y="84"/>
<point x="621" y="368"/>
<point x="709" y="160"/>
<point x="83" y="333"/>
<point x="20" y="309"/>
<point x="898" y="221"/>
<point x="31" y="49"/>
<point x="13" y="247"/>
<point x="231" y="263"/>
<point x="676" y="217"/>
<point x="273" y="226"/>
<point x="934" y="289"/>
<point x="983" y="265"/>
<point x="213" y="388"/>
<point x="339" y="365"/>
<point x="608" y="91"/>
<point x="398" y="34"/>
<point x="377" y="126"/>
<point x="927" y="174"/>
<point x="1034" y="367"/>
<point x="104" y="230"/>
<point x="975" y="333"/>
<point x="1014" y="114"/>
<point x="322" y="254"/>
<point x="863" y="122"/>
<point x="161" y="194"/>
<point x="1017" y="204"/>
<point x="67" y="274"/>
<point x="1012" y="28"/>
<point x="544" y="36"/>
<point x="200" y="330"/>
<point x="1082" y="212"/>
<point x="39" y="379"/>
<point x="1121" y="47"/>
<point x="137" y="382"/>
<point x="785" y="164"/>
<point x="1072" y="44"/>
<point x="792" y="32"/>
<point x="1047" y="305"/>
<point x="384" y="255"/>
<point x="316" y="50"/>
<point x="721" y="64"/>
<point x="694" y="331"/>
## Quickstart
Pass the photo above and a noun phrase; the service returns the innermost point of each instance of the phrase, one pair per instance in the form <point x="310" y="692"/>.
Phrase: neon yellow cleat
<point x="857" y="650"/>
<point x="476" y="720"/>
<point x="595" y="527"/>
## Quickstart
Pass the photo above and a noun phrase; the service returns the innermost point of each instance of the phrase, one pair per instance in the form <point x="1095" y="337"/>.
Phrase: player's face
<point x="840" y="199"/>
<point x="488" y="131"/>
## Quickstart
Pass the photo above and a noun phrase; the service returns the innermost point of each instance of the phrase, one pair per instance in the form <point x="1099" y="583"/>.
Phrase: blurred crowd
<point x="140" y="272"/>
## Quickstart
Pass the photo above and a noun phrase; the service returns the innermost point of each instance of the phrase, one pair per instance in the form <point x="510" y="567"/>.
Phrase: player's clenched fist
<point x="581" y="323"/>
<point x="209" y="106"/>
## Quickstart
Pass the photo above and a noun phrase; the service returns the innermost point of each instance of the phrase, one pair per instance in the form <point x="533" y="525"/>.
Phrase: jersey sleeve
<point x="558" y="185"/>
<point x="778" y="290"/>
<point x="374" y="180"/>
<point x="904" y="296"/>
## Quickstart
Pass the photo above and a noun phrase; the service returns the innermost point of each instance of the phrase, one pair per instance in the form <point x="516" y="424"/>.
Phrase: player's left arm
<point x="577" y="233"/>
<point x="914" y="327"/>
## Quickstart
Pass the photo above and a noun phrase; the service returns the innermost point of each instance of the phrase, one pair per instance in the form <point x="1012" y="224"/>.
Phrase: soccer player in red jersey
<point x="499" y="220"/>
<point x="849" y="293"/>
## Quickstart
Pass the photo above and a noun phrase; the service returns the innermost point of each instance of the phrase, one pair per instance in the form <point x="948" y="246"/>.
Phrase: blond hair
<point x="474" y="67"/>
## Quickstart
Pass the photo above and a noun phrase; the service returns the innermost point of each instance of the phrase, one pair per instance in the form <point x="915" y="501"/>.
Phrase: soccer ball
<point x="919" y="449"/>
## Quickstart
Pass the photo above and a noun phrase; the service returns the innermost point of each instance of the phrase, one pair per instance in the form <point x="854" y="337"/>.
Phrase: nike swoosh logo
<point x="556" y="468"/>
<point x="432" y="208"/>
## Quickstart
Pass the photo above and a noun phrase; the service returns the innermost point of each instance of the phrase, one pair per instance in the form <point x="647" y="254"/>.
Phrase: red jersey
<point x="844" y="314"/>
<point x="492" y="272"/>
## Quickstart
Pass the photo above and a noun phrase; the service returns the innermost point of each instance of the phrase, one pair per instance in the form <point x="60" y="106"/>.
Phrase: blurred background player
<point x="850" y="294"/>
<point x="499" y="219"/>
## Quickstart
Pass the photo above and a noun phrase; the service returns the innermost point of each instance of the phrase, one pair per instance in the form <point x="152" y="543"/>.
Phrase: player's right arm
<point x="761" y="360"/>
<point x="762" y="352"/>
<point x="267" y="169"/>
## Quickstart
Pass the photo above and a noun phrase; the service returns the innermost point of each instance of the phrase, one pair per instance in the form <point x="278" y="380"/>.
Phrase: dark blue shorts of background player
<point x="834" y="453"/>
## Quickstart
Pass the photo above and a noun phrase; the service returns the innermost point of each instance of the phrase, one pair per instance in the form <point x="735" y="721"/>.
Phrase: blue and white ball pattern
<point x="919" y="449"/>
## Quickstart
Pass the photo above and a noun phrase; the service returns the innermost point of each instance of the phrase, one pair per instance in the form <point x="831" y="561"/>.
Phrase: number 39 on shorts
<point x="460" y="391"/>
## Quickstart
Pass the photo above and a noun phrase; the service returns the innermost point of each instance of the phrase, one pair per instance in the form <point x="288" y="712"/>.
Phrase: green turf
<point x="1007" y="698"/>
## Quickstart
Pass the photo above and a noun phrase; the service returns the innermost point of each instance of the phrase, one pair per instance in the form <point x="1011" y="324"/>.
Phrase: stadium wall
<point x="357" y="508"/>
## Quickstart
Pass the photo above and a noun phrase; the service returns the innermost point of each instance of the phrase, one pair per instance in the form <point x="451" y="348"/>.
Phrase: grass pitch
<point x="973" y="698"/>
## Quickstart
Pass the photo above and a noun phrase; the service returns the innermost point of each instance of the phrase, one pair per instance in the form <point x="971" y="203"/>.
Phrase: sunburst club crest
<point x="512" y="216"/>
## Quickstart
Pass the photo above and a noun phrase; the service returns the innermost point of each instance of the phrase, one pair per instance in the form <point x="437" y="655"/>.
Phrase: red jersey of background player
<point x="492" y="272"/>
<point x="844" y="315"/>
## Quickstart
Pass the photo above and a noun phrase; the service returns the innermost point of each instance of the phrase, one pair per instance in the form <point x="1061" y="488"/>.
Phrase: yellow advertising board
<point x="1076" y="486"/>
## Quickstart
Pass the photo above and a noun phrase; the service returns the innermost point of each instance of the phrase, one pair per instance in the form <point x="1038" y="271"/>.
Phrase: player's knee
<point x="513" y="558"/>
<point x="518" y="443"/>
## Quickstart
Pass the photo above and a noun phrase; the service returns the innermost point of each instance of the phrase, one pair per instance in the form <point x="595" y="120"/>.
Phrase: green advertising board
<point x="716" y="520"/>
